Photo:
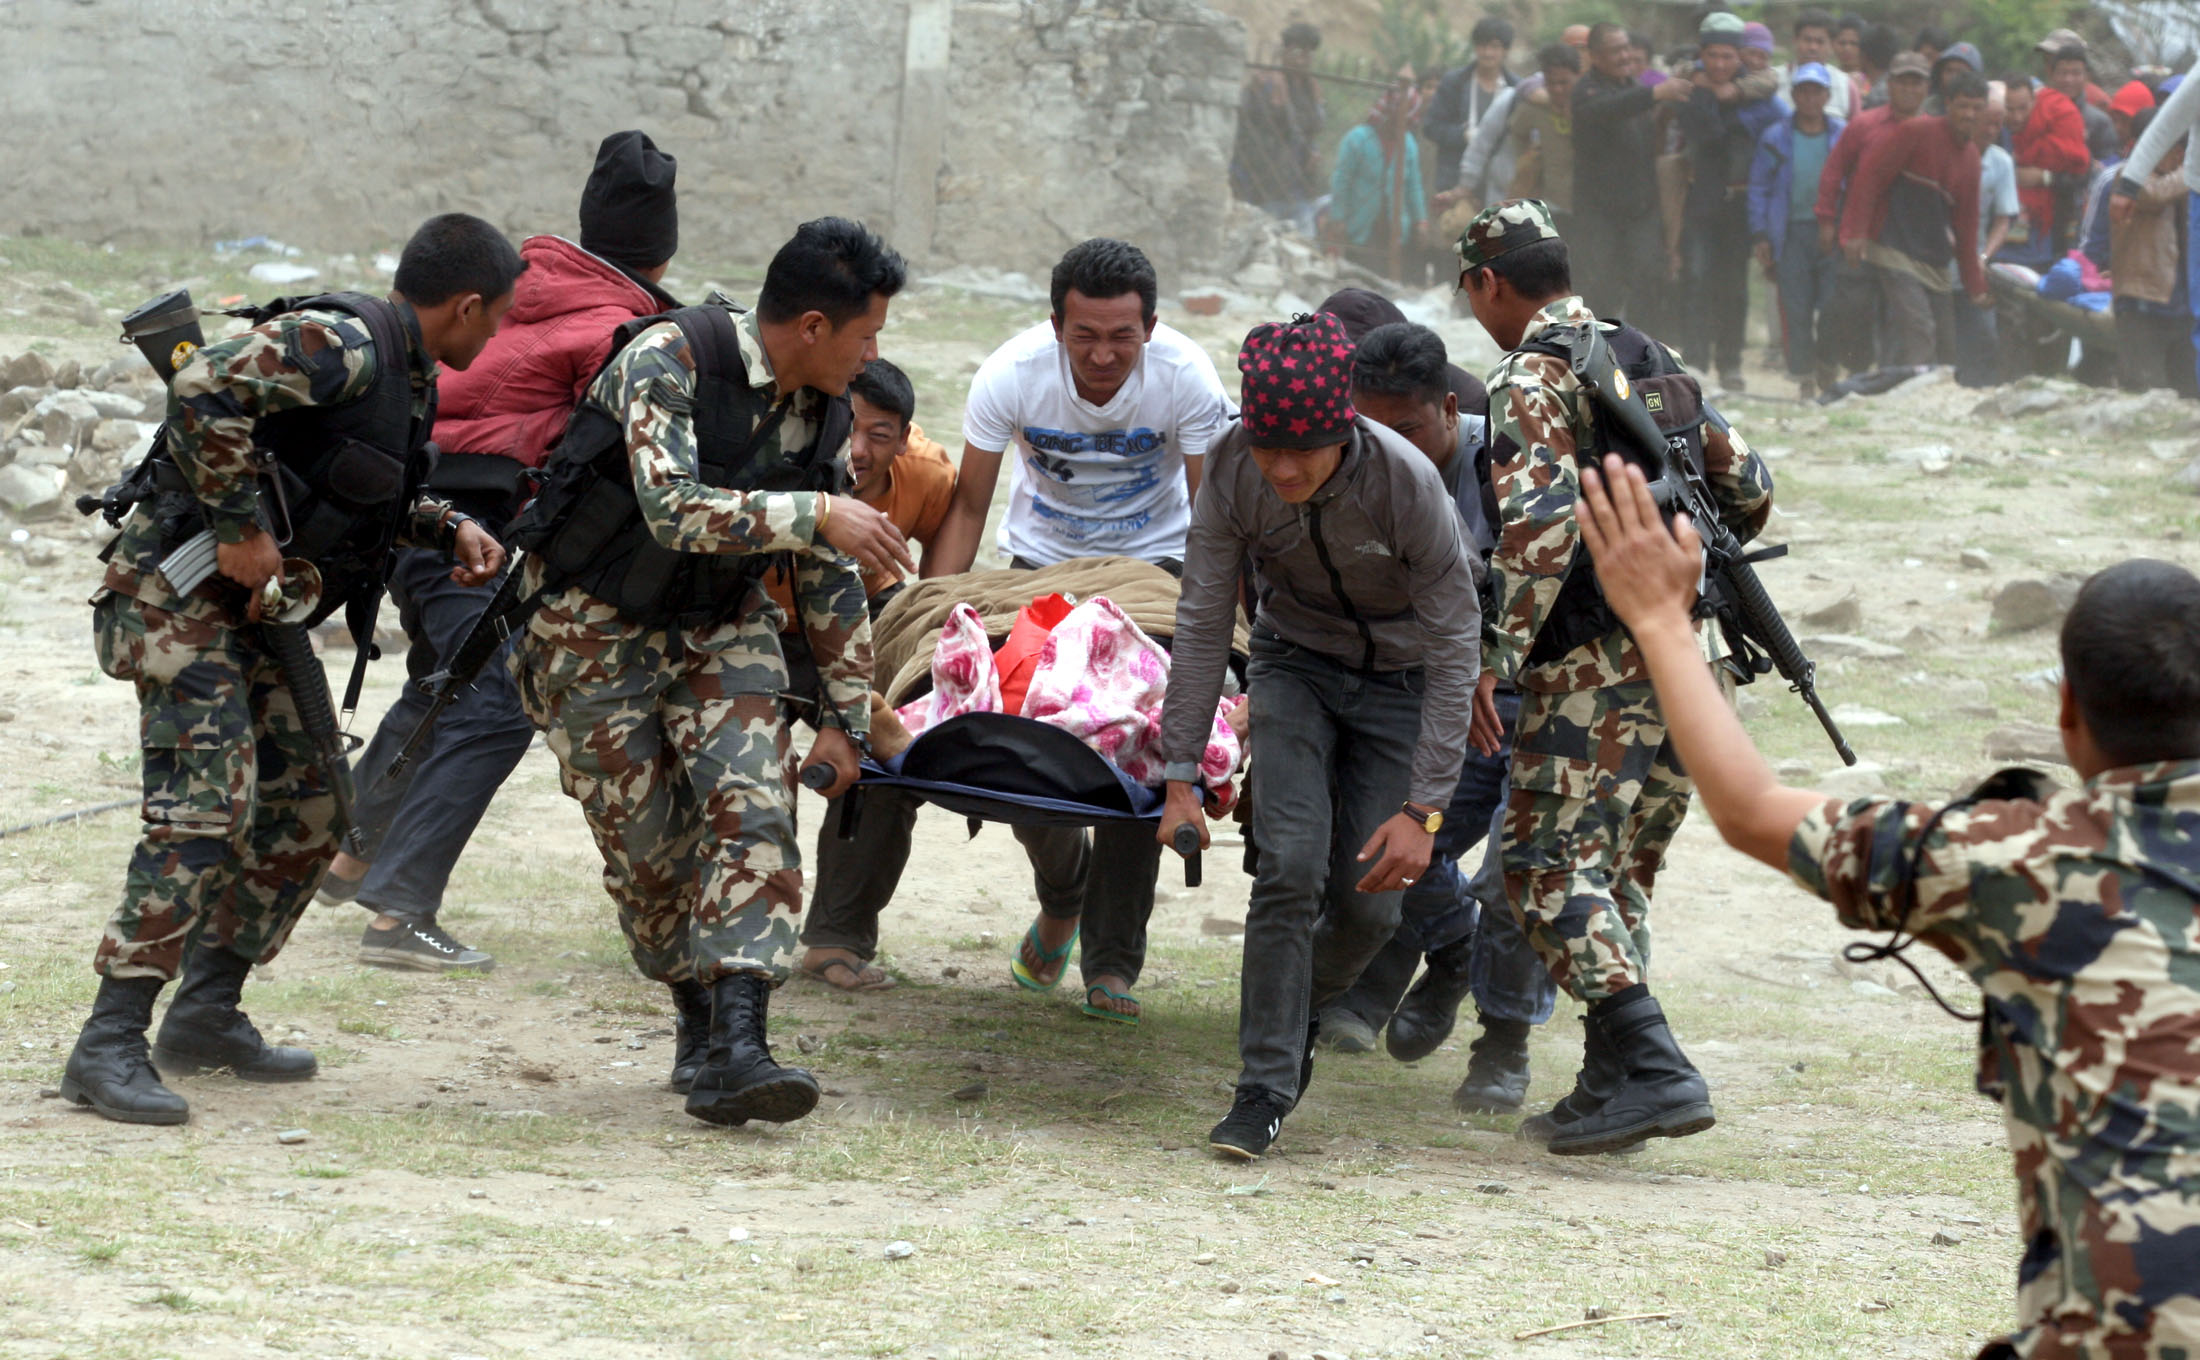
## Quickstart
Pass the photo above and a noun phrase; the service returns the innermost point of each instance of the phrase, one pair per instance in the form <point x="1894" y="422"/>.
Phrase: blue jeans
<point x="1807" y="277"/>
<point x="415" y="828"/>
<point x="1333" y="750"/>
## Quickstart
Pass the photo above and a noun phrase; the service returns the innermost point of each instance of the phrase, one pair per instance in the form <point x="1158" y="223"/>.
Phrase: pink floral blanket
<point x="1099" y="677"/>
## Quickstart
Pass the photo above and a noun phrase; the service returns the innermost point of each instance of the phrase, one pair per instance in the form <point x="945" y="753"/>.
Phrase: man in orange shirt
<point x="896" y="471"/>
<point x="909" y="479"/>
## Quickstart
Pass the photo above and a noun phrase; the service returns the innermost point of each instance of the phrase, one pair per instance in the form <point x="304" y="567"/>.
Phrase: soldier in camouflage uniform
<point x="673" y="738"/>
<point x="1596" y="792"/>
<point x="239" y="820"/>
<point x="2073" y="910"/>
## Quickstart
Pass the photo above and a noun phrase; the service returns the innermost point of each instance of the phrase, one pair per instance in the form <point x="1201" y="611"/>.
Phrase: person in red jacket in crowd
<point x="2052" y="161"/>
<point x="496" y="420"/>
<point x="1850" y="321"/>
<point x="1912" y="215"/>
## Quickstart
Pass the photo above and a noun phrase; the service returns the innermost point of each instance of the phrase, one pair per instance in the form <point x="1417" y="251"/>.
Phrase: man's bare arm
<point x="1649" y="576"/>
<point x="955" y="546"/>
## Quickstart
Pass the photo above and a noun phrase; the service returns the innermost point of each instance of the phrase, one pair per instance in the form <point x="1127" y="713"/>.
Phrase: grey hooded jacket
<point x="1372" y="572"/>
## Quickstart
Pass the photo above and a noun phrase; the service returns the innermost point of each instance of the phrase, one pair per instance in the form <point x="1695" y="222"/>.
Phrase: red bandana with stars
<point x="1298" y="383"/>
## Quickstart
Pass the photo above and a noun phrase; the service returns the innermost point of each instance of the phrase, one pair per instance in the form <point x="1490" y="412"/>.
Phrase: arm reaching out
<point x="955" y="546"/>
<point x="1649" y="577"/>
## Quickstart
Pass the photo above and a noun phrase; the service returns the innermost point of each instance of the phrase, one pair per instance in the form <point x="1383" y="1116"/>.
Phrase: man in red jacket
<point x="496" y="420"/>
<point x="1851" y="313"/>
<point x="2052" y="161"/>
<point x="1912" y="215"/>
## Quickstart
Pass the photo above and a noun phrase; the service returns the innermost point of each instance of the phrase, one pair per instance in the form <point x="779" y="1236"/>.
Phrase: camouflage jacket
<point x="2074" y="910"/>
<point x="314" y="357"/>
<point x="1537" y="419"/>
<point x="649" y="387"/>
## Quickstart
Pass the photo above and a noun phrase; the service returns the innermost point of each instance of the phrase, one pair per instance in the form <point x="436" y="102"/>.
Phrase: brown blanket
<point x="903" y="639"/>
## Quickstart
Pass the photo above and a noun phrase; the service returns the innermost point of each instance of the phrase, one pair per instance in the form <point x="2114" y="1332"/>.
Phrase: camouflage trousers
<point x="2108" y="1272"/>
<point x="1597" y="794"/>
<point x="683" y="763"/>
<point x="239" y="823"/>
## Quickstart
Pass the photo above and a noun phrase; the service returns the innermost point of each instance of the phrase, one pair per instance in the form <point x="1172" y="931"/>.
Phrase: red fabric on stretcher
<point x="1018" y="656"/>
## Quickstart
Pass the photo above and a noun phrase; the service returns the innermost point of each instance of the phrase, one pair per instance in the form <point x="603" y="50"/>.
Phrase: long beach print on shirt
<point x="1090" y="481"/>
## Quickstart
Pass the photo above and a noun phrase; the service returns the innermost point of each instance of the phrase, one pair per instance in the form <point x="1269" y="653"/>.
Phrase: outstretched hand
<point x="1648" y="574"/>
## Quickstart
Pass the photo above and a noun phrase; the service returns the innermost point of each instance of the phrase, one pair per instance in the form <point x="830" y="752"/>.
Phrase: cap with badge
<point x="1812" y="73"/>
<point x="1505" y="227"/>
<point x="1909" y="64"/>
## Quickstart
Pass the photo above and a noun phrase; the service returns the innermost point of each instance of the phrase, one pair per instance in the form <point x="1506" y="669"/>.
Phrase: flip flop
<point x="867" y="978"/>
<point x="1023" y="976"/>
<point x="1102" y="1012"/>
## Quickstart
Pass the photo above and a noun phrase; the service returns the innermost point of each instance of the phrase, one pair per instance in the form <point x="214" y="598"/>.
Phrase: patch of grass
<point x="453" y="1141"/>
<point x="174" y="1300"/>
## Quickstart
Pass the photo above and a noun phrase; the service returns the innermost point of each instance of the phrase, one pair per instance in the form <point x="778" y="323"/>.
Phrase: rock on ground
<point x="29" y="492"/>
<point x="2026" y="741"/>
<point x="1825" y="645"/>
<point x="1845" y="615"/>
<point x="2027" y="603"/>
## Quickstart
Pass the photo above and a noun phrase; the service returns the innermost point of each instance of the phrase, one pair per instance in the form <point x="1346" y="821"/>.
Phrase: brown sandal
<point x="866" y="978"/>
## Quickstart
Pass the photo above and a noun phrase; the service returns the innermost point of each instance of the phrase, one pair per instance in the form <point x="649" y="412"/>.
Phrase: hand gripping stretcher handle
<point x="1186" y="843"/>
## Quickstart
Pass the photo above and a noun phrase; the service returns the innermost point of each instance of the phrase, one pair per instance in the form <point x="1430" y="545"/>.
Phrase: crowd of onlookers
<point x="1903" y="207"/>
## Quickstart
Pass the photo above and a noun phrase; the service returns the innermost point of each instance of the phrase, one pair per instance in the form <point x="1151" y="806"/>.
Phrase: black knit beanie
<point x="629" y="214"/>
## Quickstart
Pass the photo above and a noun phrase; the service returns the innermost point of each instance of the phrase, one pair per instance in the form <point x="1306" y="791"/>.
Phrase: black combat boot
<point x="109" y="1069"/>
<point x="1424" y="1019"/>
<point x="1497" y="1069"/>
<point x="1601" y="1074"/>
<point x="690" y="1032"/>
<point x="204" y="1029"/>
<point x="1660" y="1096"/>
<point x="738" y="1080"/>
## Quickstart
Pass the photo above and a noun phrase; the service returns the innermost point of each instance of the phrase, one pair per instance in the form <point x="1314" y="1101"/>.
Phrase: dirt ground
<point x="491" y="1165"/>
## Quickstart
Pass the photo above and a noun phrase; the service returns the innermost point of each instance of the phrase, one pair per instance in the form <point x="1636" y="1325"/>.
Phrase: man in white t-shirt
<point x="1110" y="415"/>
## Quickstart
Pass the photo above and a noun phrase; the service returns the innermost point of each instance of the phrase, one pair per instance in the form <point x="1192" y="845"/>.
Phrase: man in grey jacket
<point x="1365" y="654"/>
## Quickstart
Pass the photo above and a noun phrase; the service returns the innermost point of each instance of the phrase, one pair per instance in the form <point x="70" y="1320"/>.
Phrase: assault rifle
<point x="1747" y="617"/>
<point x="292" y="647"/>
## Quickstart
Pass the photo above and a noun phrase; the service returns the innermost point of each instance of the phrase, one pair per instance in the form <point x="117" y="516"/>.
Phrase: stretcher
<point x="1000" y="767"/>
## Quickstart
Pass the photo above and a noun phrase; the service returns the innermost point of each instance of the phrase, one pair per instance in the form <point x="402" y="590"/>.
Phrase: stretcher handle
<point x="1186" y="843"/>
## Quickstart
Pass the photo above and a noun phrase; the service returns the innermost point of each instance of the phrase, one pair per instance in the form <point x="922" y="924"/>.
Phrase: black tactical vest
<point x="1675" y="402"/>
<point x="345" y="477"/>
<point x="586" y="525"/>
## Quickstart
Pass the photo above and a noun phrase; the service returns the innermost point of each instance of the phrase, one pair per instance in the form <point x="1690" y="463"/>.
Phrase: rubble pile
<point x="66" y="429"/>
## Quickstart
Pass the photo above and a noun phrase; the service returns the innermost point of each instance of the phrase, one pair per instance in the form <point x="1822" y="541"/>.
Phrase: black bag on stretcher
<point x="1000" y="767"/>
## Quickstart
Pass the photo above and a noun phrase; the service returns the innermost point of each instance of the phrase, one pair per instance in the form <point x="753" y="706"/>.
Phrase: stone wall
<point x="976" y="132"/>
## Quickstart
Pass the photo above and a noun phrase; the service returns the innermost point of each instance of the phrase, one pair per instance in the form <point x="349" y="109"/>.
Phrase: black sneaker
<point x="1255" y="1118"/>
<point x="420" y="944"/>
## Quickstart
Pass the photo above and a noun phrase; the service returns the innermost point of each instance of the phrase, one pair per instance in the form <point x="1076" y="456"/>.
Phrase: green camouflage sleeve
<point x="1532" y="471"/>
<point x="429" y="525"/>
<point x="1861" y="857"/>
<point x="828" y="597"/>
<point x="298" y="359"/>
<point x="650" y="388"/>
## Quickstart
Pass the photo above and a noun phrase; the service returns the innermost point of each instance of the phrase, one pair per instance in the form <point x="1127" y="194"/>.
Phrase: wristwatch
<point x="1431" y="819"/>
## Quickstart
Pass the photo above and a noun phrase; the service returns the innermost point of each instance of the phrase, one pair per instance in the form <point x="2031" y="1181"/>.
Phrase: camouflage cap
<point x="1504" y="227"/>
